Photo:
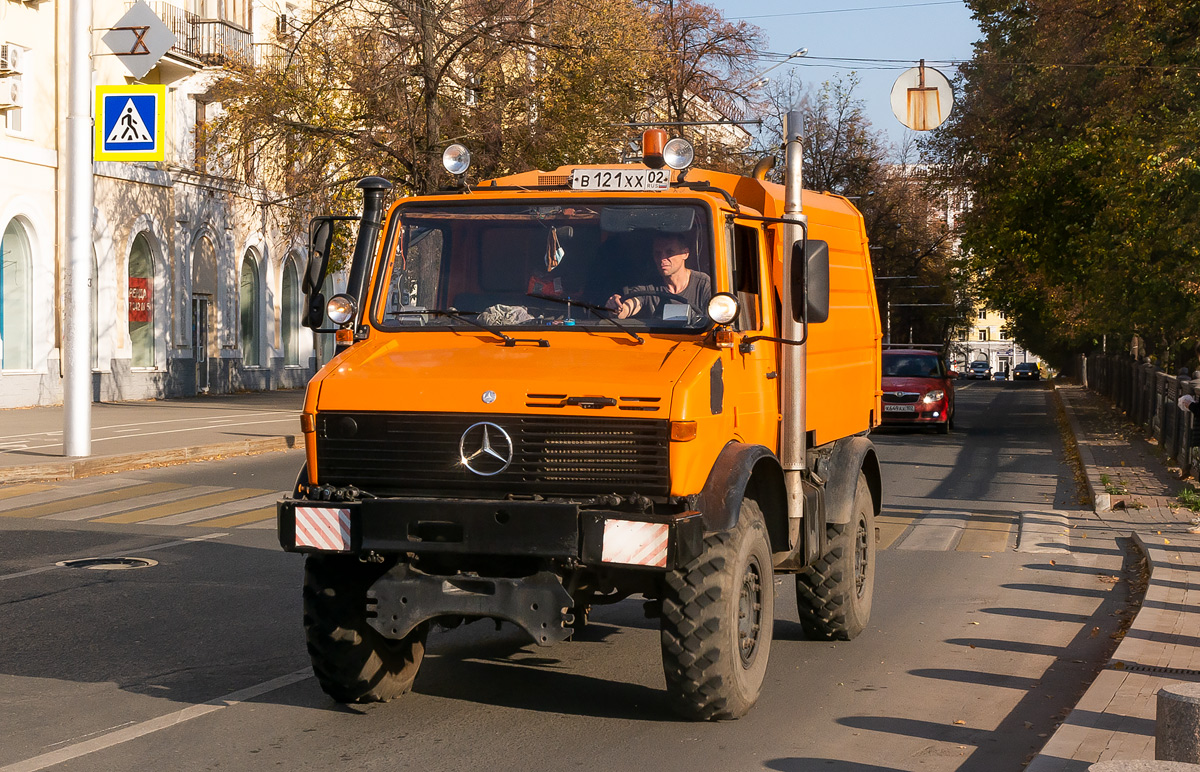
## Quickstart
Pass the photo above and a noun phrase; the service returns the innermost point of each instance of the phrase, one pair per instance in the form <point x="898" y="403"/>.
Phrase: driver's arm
<point x="625" y="307"/>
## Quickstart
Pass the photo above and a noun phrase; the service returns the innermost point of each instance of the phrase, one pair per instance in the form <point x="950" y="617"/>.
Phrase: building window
<point x="290" y="315"/>
<point x="983" y="334"/>
<point x="16" y="306"/>
<point x="983" y="313"/>
<point x="248" y="305"/>
<point x="141" y="302"/>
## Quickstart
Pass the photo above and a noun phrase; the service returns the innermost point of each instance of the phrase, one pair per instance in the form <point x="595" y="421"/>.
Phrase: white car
<point x="980" y="370"/>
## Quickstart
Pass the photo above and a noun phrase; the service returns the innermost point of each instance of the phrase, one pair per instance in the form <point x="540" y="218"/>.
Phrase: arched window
<point x="141" y="302"/>
<point x="16" y="306"/>
<point x="290" y="314"/>
<point x="248" y="305"/>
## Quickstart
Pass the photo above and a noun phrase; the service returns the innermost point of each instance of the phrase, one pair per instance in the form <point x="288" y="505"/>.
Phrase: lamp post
<point x="760" y="81"/>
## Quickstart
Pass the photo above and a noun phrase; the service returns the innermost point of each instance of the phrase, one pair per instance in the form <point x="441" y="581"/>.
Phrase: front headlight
<point x="340" y="309"/>
<point x="937" y="395"/>
<point x="723" y="308"/>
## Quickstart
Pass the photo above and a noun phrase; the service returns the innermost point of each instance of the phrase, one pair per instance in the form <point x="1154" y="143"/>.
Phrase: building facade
<point x="195" y="275"/>
<point x="988" y="339"/>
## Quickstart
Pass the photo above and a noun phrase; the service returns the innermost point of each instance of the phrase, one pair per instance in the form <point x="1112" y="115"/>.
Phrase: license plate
<point x="899" y="408"/>
<point x="620" y="179"/>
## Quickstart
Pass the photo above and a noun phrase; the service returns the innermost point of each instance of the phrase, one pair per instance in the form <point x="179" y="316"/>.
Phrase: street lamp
<point x="759" y="81"/>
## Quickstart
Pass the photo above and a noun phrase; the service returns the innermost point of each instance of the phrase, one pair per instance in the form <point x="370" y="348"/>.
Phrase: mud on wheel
<point x="717" y="620"/>
<point x="352" y="661"/>
<point x="834" y="594"/>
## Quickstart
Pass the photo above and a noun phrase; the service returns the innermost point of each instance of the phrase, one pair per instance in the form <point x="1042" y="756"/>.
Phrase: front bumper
<point x="561" y="533"/>
<point x="539" y="529"/>
<point x="920" y="414"/>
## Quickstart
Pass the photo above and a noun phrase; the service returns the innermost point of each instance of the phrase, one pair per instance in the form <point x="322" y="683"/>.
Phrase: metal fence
<point x="1150" y="398"/>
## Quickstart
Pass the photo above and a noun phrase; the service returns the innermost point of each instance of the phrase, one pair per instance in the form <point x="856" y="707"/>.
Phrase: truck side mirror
<point x="320" y="231"/>
<point x="810" y="277"/>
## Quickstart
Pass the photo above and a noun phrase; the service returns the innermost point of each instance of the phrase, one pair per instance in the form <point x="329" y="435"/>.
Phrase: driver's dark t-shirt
<point x="697" y="293"/>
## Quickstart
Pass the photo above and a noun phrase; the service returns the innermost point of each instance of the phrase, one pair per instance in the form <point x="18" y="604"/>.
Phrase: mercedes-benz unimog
<point x="556" y="390"/>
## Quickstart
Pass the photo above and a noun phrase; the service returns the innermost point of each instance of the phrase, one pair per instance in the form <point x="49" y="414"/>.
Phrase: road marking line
<point x="263" y="525"/>
<point x="74" y="488"/>
<point x="938" y="531"/>
<point x="151" y="548"/>
<point x="233" y="508"/>
<point x="23" y="489"/>
<point x="239" y="424"/>
<point x="890" y="528"/>
<point x="129" y="505"/>
<point x="242" y="518"/>
<point x="121" y="494"/>
<point x="187" y="505"/>
<point x="236" y="417"/>
<point x="150" y="726"/>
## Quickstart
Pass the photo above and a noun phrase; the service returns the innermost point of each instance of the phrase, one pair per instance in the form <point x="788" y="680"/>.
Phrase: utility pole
<point x="77" y="296"/>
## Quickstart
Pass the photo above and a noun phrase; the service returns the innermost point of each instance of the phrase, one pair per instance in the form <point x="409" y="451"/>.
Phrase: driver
<point x="669" y="253"/>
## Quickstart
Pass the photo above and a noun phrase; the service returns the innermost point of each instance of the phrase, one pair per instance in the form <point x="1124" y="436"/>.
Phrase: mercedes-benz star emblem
<point x="489" y="397"/>
<point x="485" y="449"/>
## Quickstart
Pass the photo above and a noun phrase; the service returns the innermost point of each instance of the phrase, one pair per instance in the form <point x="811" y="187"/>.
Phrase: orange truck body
<point x="644" y="457"/>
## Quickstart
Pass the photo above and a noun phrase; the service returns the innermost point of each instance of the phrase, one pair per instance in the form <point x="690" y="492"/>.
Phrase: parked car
<point x="1027" y="371"/>
<point x="917" y="390"/>
<point x="980" y="370"/>
<point x="1001" y="375"/>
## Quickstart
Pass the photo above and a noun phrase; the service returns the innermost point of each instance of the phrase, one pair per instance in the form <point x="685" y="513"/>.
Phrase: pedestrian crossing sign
<point x="130" y="123"/>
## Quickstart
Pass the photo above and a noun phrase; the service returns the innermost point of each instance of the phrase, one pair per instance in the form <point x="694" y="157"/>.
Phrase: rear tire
<point x="834" y="594"/>
<point x="352" y="661"/>
<point x="717" y="622"/>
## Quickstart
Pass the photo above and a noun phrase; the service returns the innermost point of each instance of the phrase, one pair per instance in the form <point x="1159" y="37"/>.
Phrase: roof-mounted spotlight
<point x="678" y="153"/>
<point x="456" y="159"/>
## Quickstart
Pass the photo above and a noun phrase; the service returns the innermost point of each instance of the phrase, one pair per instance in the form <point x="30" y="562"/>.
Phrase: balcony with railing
<point x="208" y="42"/>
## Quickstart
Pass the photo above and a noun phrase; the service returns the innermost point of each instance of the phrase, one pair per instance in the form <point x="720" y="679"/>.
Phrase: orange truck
<point x="557" y="390"/>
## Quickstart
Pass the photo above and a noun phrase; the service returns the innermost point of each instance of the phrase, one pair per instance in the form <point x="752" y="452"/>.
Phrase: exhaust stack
<point x="792" y="440"/>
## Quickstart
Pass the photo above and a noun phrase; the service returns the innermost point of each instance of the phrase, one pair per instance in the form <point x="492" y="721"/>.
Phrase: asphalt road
<point x="198" y="663"/>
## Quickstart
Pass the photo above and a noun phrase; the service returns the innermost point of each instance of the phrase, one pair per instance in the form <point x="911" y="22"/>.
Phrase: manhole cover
<point x="107" y="564"/>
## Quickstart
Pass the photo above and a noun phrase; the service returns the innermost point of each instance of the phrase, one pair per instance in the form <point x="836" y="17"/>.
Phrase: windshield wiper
<point x="509" y="341"/>
<point x="600" y="311"/>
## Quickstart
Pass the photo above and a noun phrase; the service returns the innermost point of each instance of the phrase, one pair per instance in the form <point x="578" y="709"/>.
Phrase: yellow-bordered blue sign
<point x="131" y="123"/>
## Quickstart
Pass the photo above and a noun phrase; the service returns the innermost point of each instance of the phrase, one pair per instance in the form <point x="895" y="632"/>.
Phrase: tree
<point x="1075" y="134"/>
<point x="903" y="206"/>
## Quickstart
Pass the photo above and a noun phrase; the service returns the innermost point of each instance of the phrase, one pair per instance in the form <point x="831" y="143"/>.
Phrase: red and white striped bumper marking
<point x="634" y="543"/>
<point x="324" y="529"/>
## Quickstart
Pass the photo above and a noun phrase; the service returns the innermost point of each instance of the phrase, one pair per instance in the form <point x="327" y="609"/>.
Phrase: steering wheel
<point x="663" y="294"/>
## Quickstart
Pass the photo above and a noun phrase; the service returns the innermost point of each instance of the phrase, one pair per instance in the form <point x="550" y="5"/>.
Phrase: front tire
<point x="718" y="615"/>
<point x="352" y="661"/>
<point x="834" y="594"/>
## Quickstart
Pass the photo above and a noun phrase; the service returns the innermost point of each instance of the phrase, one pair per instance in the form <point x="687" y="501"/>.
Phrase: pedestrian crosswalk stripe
<point x="985" y="535"/>
<point x="220" y="510"/>
<point x="187" y="505"/>
<point x="74" y="490"/>
<point x="242" y="518"/>
<point x="7" y="492"/>
<point x="65" y="504"/>
<point x="127" y="505"/>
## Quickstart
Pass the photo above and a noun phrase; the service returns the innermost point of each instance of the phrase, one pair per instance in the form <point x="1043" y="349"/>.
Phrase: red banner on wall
<point x="139" y="299"/>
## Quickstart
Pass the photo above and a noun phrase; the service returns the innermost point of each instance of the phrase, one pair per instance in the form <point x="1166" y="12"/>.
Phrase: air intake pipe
<point x="794" y="367"/>
<point x="374" y="189"/>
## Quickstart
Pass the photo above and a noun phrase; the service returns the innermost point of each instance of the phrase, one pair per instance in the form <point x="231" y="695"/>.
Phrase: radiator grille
<point x="552" y="455"/>
<point x="901" y="397"/>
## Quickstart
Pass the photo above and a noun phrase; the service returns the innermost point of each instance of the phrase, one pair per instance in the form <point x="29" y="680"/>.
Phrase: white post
<point x="77" y="297"/>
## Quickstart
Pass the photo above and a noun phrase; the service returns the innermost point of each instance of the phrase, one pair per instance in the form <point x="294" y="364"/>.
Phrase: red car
<point x="917" y="390"/>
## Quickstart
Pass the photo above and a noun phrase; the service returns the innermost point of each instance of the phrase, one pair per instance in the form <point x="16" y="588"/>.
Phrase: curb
<point x="1101" y="499"/>
<point x="123" y="462"/>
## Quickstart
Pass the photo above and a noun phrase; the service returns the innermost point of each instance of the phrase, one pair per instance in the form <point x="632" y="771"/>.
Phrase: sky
<point x="836" y="30"/>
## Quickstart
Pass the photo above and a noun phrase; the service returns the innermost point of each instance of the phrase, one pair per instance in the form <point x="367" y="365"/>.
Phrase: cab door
<point x="756" y="412"/>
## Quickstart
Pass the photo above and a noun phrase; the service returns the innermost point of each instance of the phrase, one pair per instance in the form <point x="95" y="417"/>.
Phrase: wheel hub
<point x="860" y="558"/>
<point x="750" y="613"/>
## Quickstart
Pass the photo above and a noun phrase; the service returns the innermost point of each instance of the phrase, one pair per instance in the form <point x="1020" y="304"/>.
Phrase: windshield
<point x="489" y="263"/>
<point x="912" y="366"/>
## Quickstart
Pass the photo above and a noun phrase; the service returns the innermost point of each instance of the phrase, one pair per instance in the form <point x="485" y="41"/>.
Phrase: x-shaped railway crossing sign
<point x="140" y="39"/>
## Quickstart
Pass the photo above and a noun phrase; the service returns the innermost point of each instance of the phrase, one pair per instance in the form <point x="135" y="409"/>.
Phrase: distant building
<point x="988" y="339"/>
<point x="194" y="275"/>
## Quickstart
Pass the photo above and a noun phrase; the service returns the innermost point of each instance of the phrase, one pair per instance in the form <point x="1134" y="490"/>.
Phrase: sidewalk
<point x="130" y="435"/>
<point x="1134" y="496"/>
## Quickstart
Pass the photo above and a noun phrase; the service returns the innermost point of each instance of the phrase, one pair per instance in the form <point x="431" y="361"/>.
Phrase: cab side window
<point x="747" y="284"/>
